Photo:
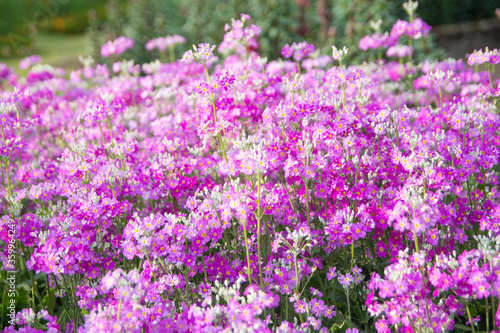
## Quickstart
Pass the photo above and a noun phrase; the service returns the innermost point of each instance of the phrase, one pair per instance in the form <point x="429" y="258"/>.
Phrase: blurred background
<point x="60" y="30"/>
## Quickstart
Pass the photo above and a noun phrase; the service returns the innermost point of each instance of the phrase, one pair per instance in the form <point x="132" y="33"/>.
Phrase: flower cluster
<point x="29" y="61"/>
<point x="240" y="37"/>
<point x="486" y="56"/>
<point x="298" y="51"/>
<point x="408" y="293"/>
<point x="202" y="54"/>
<point x="163" y="43"/>
<point x="377" y="40"/>
<point x="415" y="29"/>
<point x="399" y="51"/>
<point x="117" y="46"/>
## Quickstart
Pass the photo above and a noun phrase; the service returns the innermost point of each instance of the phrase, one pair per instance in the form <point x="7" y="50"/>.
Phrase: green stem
<point x="491" y="297"/>
<point x="409" y="44"/>
<point x="248" y="253"/>
<point x="470" y="319"/>
<point x="352" y="255"/>
<point x="286" y="307"/>
<point x="63" y="301"/>
<point x="348" y="306"/>
<point x="493" y="310"/>
<point x="9" y="190"/>
<point x="307" y="204"/>
<point x="288" y="192"/>
<point x="19" y="133"/>
<point x="214" y="109"/>
<point x="171" y="53"/>
<point x="397" y="135"/>
<point x="487" y="314"/>
<point x="259" y="218"/>
<point x="100" y="232"/>
<point x="378" y="140"/>
<point x="440" y="97"/>
<point x="119" y="310"/>
<point x="463" y="139"/>
<point x="415" y="237"/>
<point x="1" y="167"/>
<point x="110" y="133"/>
<point x="102" y="134"/>
<point x="77" y="308"/>
<point x="30" y="273"/>
<point x="490" y="77"/>
<point x="3" y="301"/>
<point x="150" y="266"/>
<point x="103" y="141"/>
<point x="297" y="284"/>
<point x="343" y="101"/>
<point x="186" y="277"/>
<point x="307" y="282"/>
<point x="204" y="269"/>
<point x="333" y="295"/>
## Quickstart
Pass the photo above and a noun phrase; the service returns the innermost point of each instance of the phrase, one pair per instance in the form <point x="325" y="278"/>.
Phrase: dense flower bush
<point x="241" y="195"/>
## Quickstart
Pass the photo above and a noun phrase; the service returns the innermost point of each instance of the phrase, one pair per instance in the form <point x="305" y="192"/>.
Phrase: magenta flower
<point x="300" y="306"/>
<point x="332" y="273"/>
<point x="116" y="47"/>
<point x="346" y="280"/>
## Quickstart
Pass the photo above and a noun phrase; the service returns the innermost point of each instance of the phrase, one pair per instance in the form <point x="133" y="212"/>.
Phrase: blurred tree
<point x="322" y="22"/>
<point x="21" y="19"/>
<point x="436" y="12"/>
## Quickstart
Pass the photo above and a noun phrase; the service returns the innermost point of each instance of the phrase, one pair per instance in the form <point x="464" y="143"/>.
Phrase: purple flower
<point x="29" y="61"/>
<point x="116" y="47"/>
<point x="300" y="306"/>
<point x="287" y="51"/>
<point x="346" y="280"/>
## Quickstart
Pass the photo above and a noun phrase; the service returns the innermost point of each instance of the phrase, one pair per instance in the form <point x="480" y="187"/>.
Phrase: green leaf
<point x="45" y="301"/>
<point x="40" y="278"/>
<point x="473" y="311"/>
<point x="26" y="285"/>
<point x="22" y="299"/>
<point x="462" y="327"/>
<point x="479" y="307"/>
<point x="339" y="328"/>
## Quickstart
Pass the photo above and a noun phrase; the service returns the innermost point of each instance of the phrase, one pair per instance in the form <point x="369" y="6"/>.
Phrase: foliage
<point x="21" y="19"/>
<point x="448" y="12"/>
<point x="321" y="23"/>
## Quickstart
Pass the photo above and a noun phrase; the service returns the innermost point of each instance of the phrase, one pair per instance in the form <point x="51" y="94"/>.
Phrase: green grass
<point x="57" y="50"/>
<point x="15" y="14"/>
